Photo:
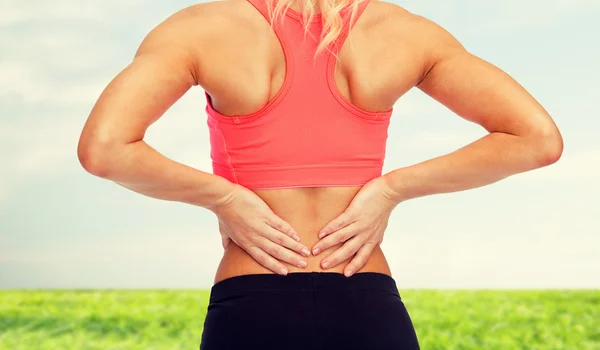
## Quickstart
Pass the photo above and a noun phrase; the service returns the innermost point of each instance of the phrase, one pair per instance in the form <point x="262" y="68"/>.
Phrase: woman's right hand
<point x="249" y="222"/>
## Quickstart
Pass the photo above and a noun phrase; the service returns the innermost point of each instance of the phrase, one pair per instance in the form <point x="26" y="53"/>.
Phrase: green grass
<point x="173" y="319"/>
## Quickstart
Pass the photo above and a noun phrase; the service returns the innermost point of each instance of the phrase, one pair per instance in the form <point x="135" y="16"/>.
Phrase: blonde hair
<point x="330" y="16"/>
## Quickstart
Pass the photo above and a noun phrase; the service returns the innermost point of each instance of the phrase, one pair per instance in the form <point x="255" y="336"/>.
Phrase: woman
<point x="298" y="119"/>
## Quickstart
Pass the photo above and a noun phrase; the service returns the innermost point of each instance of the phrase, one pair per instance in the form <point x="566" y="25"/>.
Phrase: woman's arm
<point x="112" y="146"/>
<point x="522" y="135"/>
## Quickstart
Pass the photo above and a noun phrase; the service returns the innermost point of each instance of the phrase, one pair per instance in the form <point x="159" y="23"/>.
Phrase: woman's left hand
<point x="360" y="227"/>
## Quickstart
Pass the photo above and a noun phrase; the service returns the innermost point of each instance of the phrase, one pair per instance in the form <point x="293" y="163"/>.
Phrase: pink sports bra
<point x="308" y="135"/>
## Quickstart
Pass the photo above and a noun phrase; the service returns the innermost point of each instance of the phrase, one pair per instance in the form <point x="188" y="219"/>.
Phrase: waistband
<point x="303" y="281"/>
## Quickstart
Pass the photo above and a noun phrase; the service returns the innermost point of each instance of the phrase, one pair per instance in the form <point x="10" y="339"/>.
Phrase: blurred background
<point x="72" y="245"/>
<point x="63" y="228"/>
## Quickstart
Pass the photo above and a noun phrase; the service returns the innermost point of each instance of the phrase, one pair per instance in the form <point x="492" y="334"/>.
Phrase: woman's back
<point x="308" y="210"/>
<point x="243" y="64"/>
<point x="244" y="67"/>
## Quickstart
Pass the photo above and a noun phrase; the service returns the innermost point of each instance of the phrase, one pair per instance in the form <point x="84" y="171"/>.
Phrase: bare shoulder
<point x="196" y="26"/>
<point x="409" y="40"/>
<point x="398" y="24"/>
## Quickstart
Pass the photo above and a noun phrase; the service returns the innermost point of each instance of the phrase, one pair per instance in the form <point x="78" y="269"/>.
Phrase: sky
<point x="61" y="227"/>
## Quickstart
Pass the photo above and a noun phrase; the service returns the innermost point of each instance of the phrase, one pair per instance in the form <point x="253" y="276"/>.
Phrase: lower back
<point x="308" y="210"/>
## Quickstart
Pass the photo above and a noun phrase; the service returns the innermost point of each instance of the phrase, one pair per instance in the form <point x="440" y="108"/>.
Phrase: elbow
<point x="554" y="152"/>
<point x="548" y="148"/>
<point x="94" y="156"/>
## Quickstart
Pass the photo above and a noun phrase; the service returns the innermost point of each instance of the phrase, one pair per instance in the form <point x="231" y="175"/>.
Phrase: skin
<point x="228" y="49"/>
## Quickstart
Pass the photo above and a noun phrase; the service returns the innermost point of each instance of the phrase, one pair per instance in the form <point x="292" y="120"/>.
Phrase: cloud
<point x="543" y="257"/>
<point x="176" y="259"/>
<point x="53" y="69"/>
<point x="183" y="246"/>
<point x="22" y="83"/>
<point x="574" y="167"/>
<point x="13" y="11"/>
<point x="507" y="16"/>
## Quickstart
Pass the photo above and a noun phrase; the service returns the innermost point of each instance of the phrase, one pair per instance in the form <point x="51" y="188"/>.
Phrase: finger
<point x="336" y="238"/>
<point x="225" y="241"/>
<point x="282" y="226"/>
<point x="338" y="223"/>
<point x="280" y="253"/>
<point x="280" y="238"/>
<point x="360" y="259"/>
<point x="342" y="253"/>
<point x="266" y="260"/>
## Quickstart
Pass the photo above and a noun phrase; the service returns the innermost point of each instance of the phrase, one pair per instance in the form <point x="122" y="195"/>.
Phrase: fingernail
<point x="305" y="251"/>
<point x="321" y="234"/>
<point x="302" y="263"/>
<point x="283" y="271"/>
<point x="316" y="251"/>
<point x="325" y="264"/>
<point x="348" y="273"/>
<point x="297" y="238"/>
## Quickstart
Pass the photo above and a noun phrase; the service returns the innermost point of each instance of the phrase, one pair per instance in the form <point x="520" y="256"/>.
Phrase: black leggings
<point x="307" y="311"/>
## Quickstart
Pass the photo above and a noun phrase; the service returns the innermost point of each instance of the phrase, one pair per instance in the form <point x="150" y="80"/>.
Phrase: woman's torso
<point x="307" y="210"/>
<point x="243" y="67"/>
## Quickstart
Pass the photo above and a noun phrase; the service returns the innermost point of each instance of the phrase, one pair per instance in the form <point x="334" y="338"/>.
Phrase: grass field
<point x="173" y="319"/>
